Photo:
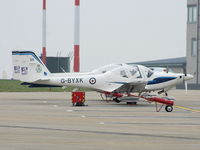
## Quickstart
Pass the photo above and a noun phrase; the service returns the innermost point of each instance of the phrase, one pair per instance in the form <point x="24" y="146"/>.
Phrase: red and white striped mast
<point x="44" y="33"/>
<point x="76" y="36"/>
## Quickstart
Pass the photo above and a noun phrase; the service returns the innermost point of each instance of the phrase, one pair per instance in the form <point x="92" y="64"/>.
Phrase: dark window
<point x="194" y="47"/>
<point x="192" y="14"/>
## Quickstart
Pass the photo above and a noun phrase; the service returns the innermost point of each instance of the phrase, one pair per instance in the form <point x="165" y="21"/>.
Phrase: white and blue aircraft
<point x="113" y="80"/>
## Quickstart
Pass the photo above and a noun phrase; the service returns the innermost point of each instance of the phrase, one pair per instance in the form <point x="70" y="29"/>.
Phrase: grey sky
<point x="112" y="31"/>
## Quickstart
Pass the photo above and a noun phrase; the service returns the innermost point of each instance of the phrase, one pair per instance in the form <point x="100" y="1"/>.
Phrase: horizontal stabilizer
<point x="32" y="85"/>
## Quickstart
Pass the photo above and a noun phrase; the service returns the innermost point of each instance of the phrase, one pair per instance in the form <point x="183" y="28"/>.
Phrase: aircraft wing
<point x="131" y="87"/>
<point x="121" y="87"/>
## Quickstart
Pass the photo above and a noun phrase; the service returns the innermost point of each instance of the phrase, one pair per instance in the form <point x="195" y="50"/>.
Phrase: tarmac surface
<point x="48" y="121"/>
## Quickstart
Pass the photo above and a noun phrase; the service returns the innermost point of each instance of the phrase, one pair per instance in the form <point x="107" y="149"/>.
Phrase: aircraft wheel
<point x="169" y="108"/>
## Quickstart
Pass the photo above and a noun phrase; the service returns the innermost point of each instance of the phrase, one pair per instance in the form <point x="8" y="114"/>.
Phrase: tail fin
<point x="27" y="67"/>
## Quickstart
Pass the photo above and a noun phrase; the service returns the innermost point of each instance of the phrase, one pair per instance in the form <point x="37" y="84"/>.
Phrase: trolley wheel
<point x="169" y="108"/>
<point x="79" y="104"/>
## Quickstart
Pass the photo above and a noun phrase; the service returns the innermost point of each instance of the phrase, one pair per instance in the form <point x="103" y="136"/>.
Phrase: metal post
<point x="76" y="36"/>
<point x="44" y="33"/>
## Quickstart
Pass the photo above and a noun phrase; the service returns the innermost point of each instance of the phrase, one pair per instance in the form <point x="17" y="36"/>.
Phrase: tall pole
<point x="44" y="33"/>
<point x="76" y="36"/>
<point x="198" y="42"/>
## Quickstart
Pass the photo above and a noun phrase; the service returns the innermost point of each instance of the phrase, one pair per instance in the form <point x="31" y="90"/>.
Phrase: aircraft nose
<point x="188" y="77"/>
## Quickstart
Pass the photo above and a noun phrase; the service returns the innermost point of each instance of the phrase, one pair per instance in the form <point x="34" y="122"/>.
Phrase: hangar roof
<point x="171" y="62"/>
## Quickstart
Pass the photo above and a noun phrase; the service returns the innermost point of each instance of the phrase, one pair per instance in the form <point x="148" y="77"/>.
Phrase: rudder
<point x="27" y="67"/>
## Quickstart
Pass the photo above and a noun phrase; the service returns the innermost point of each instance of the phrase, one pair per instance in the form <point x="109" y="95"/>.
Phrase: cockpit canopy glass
<point x="149" y="73"/>
<point x="127" y="71"/>
<point x="135" y="72"/>
<point x="123" y="73"/>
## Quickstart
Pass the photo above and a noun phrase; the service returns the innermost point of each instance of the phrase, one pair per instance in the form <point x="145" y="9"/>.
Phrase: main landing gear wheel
<point x="169" y="108"/>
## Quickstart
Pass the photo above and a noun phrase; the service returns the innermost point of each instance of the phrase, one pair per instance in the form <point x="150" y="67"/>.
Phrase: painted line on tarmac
<point x="153" y="124"/>
<point x="69" y="110"/>
<point x="103" y="132"/>
<point x="186" y="108"/>
<point x="101" y="122"/>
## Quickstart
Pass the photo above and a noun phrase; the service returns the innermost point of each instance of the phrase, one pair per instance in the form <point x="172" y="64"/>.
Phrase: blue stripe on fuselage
<point x="119" y="82"/>
<point x="160" y="80"/>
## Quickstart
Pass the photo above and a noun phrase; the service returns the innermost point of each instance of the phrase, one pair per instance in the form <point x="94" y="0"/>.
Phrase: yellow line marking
<point x="185" y="108"/>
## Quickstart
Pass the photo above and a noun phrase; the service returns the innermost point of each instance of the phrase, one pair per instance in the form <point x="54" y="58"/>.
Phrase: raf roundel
<point x="38" y="69"/>
<point x="92" y="80"/>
